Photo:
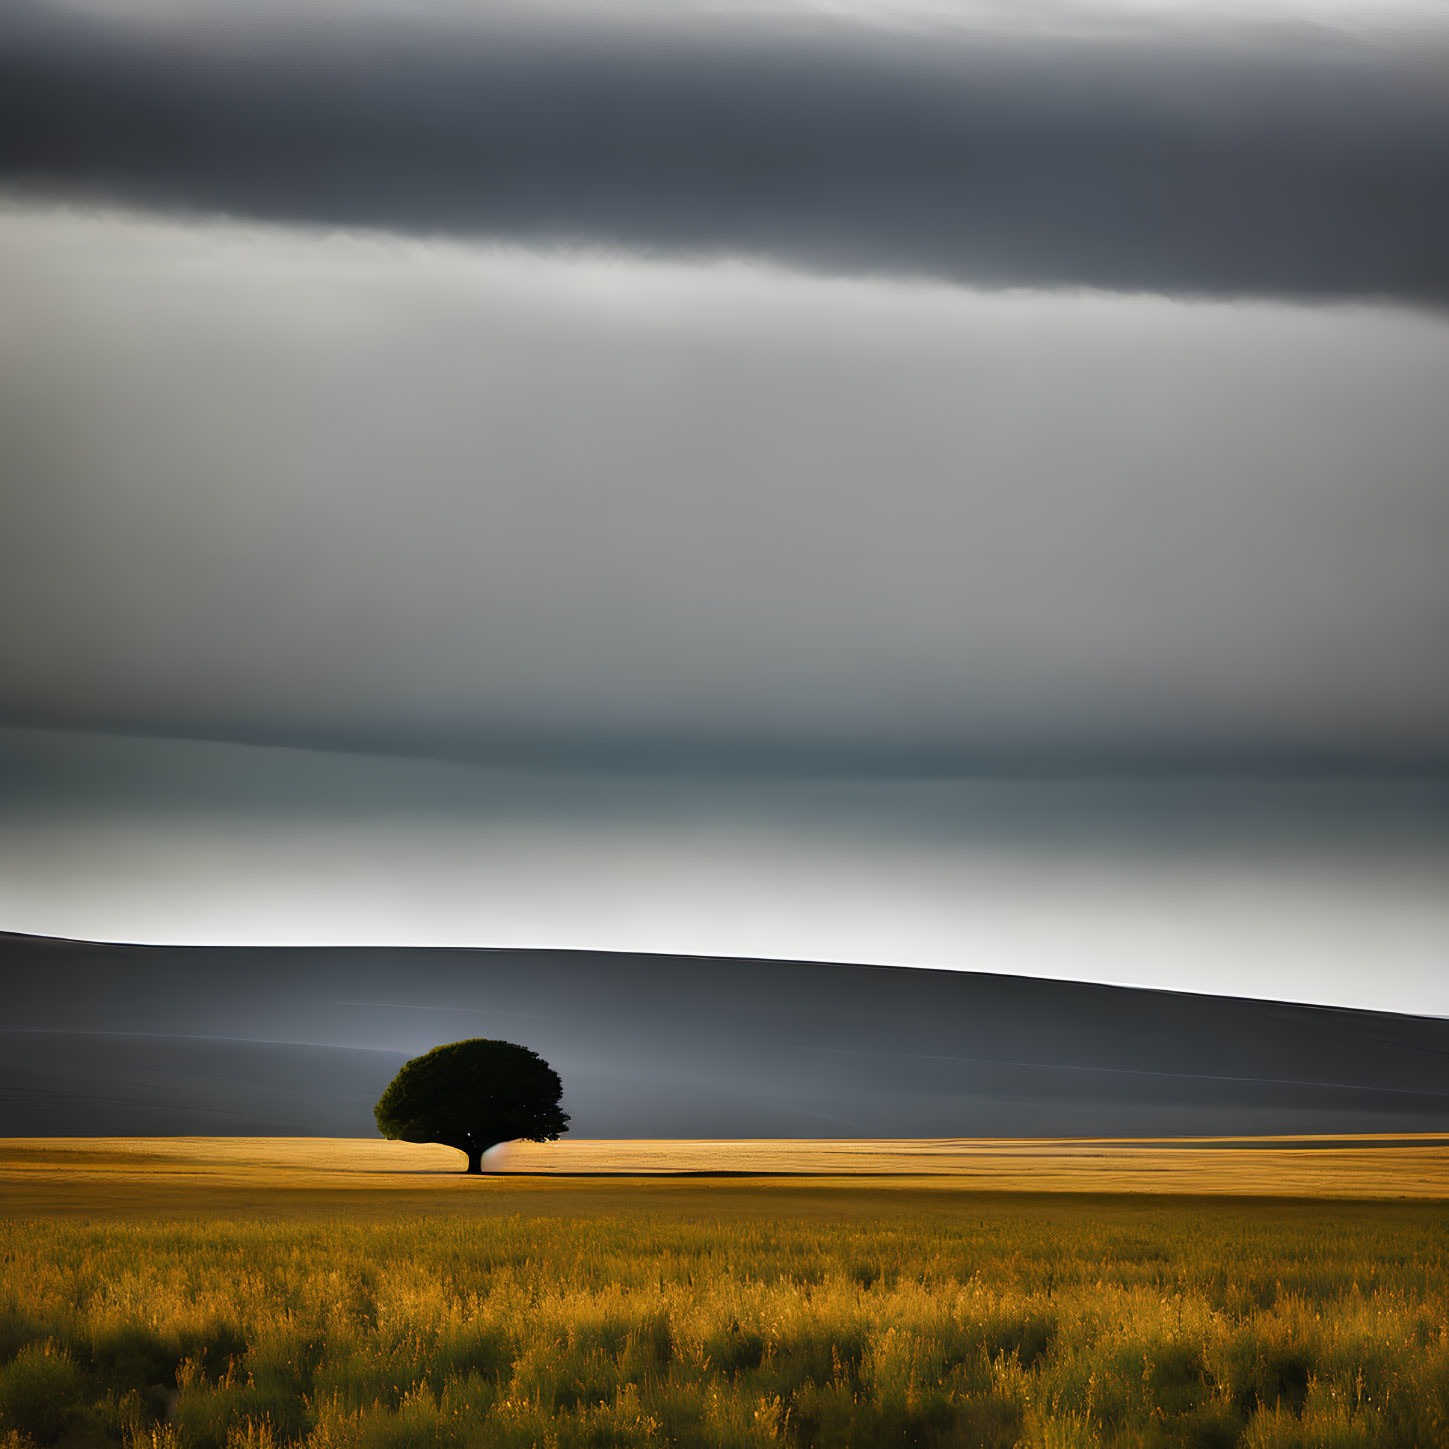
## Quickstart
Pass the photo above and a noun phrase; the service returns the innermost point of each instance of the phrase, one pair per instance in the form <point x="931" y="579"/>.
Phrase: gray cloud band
<point x="1286" y="160"/>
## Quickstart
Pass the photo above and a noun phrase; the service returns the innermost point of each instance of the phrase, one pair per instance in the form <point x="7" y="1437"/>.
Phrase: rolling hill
<point x="151" y="1040"/>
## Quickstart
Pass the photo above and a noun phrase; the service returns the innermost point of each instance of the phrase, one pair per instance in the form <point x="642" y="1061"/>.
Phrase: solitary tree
<point x="473" y="1095"/>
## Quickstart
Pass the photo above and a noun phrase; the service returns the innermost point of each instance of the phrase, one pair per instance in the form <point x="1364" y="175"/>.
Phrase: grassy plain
<point x="282" y="1174"/>
<point x="228" y="1294"/>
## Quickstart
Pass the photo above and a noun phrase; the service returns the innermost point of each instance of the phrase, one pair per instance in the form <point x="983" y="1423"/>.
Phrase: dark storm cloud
<point x="1067" y="148"/>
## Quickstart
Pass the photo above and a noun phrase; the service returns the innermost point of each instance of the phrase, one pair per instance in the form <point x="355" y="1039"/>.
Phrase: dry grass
<point x="248" y="1296"/>
<point x="978" y="1321"/>
<point x="60" y="1174"/>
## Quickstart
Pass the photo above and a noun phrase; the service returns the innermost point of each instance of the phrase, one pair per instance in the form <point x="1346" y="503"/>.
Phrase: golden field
<point x="50" y="1175"/>
<point x="246" y="1294"/>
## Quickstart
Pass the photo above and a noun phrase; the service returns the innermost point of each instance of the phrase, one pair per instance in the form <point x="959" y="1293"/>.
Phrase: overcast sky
<point x="1281" y="150"/>
<point x="933" y="484"/>
<point x="1312" y="890"/>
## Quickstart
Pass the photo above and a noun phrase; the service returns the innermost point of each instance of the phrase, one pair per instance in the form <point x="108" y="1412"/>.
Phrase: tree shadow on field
<point x="649" y="1172"/>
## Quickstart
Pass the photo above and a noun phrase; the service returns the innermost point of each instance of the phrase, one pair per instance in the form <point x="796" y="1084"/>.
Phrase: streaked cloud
<point x="309" y="489"/>
<point x="1288" y="151"/>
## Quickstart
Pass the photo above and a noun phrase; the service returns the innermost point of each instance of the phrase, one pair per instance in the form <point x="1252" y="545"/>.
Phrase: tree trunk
<point x="475" y="1151"/>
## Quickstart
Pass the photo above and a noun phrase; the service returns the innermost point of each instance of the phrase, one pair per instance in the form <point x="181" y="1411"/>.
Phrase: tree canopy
<point x="472" y="1095"/>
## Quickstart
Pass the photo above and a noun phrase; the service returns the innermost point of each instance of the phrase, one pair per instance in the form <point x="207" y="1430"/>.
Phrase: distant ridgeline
<point x="153" y="1040"/>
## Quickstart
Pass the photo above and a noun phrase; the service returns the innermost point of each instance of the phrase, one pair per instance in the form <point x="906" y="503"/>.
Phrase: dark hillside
<point x="106" y="1039"/>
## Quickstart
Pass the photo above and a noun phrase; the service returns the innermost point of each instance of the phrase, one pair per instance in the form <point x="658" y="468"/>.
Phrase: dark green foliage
<point x="216" y="1349"/>
<point x="132" y="1356"/>
<point x="1028" y="1335"/>
<point x="472" y="1095"/>
<point x="206" y="1416"/>
<point x="1175" y="1377"/>
<point x="39" y="1388"/>
<point x="1211" y="1426"/>
<point x="736" y="1349"/>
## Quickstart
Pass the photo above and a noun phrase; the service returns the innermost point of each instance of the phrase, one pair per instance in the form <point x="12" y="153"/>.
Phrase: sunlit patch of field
<point x="151" y="1174"/>
<point x="1364" y="1166"/>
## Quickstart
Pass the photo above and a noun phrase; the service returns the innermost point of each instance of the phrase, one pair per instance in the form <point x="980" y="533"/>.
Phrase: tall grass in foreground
<point x="1044" y="1322"/>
